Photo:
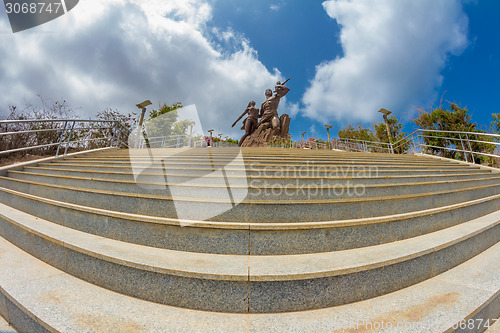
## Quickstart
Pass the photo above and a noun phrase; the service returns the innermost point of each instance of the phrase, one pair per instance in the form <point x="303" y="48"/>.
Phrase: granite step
<point x="5" y="327"/>
<point x="235" y="206"/>
<point x="255" y="284"/>
<point x="38" y="297"/>
<point x="264" y="162"/>
<point x="494" y="325"/>
<point x="274" y="171"/>
<point x="259" y="153"/>
<point x="257" y="188"/>
<point x="263" y="256"/>
<point x="243" y="238"/>
<point x="340" y="178"/>
<point x="256" y="161"/>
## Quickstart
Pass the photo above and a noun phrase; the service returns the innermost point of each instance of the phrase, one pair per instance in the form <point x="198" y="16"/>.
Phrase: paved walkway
<point x="5" y="328"/>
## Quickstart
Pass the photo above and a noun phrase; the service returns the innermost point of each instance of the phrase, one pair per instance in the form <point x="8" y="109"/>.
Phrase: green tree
<point x="43" y="133"/>
<point x="181" y="127"/>
<point x="358" y="133"/>
<point x="395" y="127"/>
<point x="496" y="122"/>
<point x="162" y="122"/>
<point x="125" y="124"/>
<point x="165" y="123"/>
<point x="456" y="119"/>
<point x="397" y="134"/>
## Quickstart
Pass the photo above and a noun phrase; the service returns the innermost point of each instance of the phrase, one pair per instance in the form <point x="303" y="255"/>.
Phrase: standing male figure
<point x="250" y="123"/>
<point x="269" y="109"/>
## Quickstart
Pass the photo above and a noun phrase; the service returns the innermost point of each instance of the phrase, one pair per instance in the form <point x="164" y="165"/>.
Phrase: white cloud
<point x="394" y="51"/>
<point x="117" y="53"/>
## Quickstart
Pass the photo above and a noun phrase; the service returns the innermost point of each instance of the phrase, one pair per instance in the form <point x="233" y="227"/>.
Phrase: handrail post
<point x="470" y="149"/>
<point x="61" y="138"/>
<point x="463" y="147"/>
<point x="113" y="132"/>
<point x="119" y="137"/>
<point x="115" y="129"/>
<point x="69" y="137"/>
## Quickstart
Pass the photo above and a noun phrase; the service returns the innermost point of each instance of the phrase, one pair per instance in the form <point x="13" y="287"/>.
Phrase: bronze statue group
<point x="268" y="112"/>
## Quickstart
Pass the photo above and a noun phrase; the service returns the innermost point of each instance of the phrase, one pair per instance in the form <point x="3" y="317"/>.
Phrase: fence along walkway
<point x="45" y="134"/>
<point x="469" y="144"/>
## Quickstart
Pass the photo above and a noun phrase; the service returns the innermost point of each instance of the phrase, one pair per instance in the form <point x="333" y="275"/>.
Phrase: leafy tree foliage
<point x="48" y="133"/>
<point x="455" y="119"/>
<point x="395" y="127"/>
<point x="125" y="124"/>
<point x="357" y="133"/>
<point x="165" y="122"/>
<point x="378" y="135"/>
<point x="43" y="134"/>
<point x="496" y="122"/>
<point x="397" y="134"/>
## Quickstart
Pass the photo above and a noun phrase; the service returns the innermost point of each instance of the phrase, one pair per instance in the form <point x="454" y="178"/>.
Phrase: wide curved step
<point x="256" y="284"/>
<point x="248" y="238"/>
<point x="258" y="188"/>
<point x="340" y="178"/>
<point x="222" y="207"/>
<point x="68" y="304"/>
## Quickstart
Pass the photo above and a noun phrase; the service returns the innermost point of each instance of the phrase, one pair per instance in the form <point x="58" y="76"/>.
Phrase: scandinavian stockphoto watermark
<point x="26" y="14"/>
<point x="170" y="154"/>
<point x="436" y="324"/>
<point x="309" y="181"/>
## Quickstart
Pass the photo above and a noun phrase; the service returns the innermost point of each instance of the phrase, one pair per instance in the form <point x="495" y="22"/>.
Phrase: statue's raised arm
<point x="280" y="89"/>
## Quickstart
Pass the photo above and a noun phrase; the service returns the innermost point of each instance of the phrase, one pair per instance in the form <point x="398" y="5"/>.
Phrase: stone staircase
<point x="251" y="240"/>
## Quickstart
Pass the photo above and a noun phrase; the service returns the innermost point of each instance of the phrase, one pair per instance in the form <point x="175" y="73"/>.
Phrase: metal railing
<point x="173" y="141"/>
<point x="361" y="145"/>
<point x="56" y="134"/>
<point x="470" y="146"/>
<point x="306" y="144"/>
<point x="177" y="141"/>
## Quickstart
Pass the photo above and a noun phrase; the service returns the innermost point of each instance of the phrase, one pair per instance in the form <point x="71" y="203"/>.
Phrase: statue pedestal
<point x="265" y="133"/>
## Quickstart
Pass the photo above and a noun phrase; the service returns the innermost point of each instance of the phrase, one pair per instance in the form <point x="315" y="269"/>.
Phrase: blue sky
<point x="346" y="58"/>
<point x="472" y="79"/>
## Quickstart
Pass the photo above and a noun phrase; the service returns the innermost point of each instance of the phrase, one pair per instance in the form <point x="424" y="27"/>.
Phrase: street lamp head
<point x="328" y="126"/>
<point x="385" y="112"/>
<point x="303" y="132"/>
<point x="144" y="104"/>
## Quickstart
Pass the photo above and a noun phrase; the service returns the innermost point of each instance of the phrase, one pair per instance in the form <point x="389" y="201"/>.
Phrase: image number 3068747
<point x="26" y="14"/>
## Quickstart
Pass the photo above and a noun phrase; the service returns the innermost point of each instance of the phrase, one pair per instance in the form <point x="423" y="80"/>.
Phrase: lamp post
<point x="190" y="135"/>
<point x="142" y="106"/>
<point x="328" y="133"/>
<point x="303" y="142"/>
<point x="389" y="135"/>
<point x="211" y="139"/>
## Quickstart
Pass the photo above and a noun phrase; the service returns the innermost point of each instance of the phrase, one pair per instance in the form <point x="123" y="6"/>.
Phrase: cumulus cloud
<point x="393" y="53"/>
<point x="117" y="53"/>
